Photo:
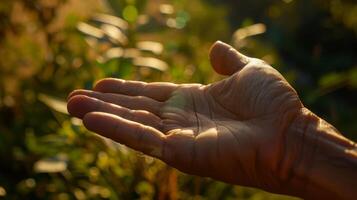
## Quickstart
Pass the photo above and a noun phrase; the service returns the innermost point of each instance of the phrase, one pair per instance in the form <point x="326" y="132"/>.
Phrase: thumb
<point x="225" y="59"/>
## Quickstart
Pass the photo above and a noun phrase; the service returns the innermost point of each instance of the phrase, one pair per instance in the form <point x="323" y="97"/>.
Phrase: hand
<point x="234" y="130"/>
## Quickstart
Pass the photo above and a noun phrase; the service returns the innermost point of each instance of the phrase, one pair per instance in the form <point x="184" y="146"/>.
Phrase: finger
<point x="159" y="91"/>
<point x="225" y="59"/>
<point x="131" y="102"/>
<point x="80" y="105"/>
<point x="132" y="134"/>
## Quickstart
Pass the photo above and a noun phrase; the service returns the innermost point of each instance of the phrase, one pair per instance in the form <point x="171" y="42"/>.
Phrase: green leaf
<point x="114" y="33"/>
<point x="90" y="30"/>
<point x="54" y="103"/>
<point x="130" y="13"/>
<point x="151" y="63"/>
<point x="154" y="47"/>
<point x="112" y="20"/>
<point x="353" y="77"/>
<point x="50" y="165"/>
<point x="332" y="79"/>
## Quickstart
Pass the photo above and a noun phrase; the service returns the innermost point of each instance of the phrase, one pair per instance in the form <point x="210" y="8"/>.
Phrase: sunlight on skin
<point x="240" y="130"/>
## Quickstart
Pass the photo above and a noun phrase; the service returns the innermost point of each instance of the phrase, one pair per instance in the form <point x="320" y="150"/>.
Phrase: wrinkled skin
<point x="234" y="130"/>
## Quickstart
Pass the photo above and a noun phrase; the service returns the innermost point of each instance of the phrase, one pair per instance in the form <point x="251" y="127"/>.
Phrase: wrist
<point x="317" y="160"/>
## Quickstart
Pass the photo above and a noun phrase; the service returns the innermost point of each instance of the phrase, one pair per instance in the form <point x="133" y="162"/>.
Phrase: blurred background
<point x="50" y="47"/>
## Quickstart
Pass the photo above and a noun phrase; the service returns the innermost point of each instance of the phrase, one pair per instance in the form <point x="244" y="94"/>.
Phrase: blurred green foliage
<point x="50" y="47"/>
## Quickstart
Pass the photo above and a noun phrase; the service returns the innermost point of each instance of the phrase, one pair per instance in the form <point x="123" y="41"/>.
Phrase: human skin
<point x="248" y="129"/>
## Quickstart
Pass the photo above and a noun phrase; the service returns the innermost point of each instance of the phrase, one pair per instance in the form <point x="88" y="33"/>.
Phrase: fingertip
<point x="225" y="59"/>
<point x="105" y="84"/>
<point x="72" y="105"/>
<point x="98" y="85"/>
<point x="77" y="92"/>
<point x="73" y="93"/>
<point x="93" y="120"/>
<point x="217" y="55"/>
<point x="88" y="119"/>
<point x="217" y="47"/>
<point x="101" y="123"/>
<point x="79" y="105"/>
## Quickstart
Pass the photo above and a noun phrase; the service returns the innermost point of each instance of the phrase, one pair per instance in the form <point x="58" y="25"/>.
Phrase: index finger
<point x="160" y="91"/>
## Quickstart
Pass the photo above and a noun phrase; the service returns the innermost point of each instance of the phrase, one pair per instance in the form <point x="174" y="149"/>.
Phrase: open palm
<point x="233" y="130"/>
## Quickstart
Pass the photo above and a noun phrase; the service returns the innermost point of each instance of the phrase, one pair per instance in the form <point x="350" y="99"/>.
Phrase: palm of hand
<point x="227" y="126"/>
<point x="231" y="130"/>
